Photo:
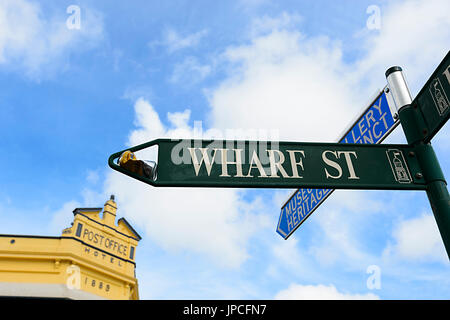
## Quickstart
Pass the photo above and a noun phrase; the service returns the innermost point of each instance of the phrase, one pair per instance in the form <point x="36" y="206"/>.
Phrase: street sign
<point x="358" y="162"/>
<point x="262" y="164"/>
<point x="374" y="124"/>
<point x="434" y="100"/>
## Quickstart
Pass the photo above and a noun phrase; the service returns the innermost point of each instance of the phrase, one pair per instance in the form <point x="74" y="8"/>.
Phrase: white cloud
<point x="340" y="226"/>
<point x="190" y="71"/>
<point x="213" y="222"/>
<point x="319" y="292"/>
<point x="288" y="255"/>
<point x="268" y="24"/>
<point x="92" y="176"/>
<point x="302" y="85"/>
<point x="32" y="42"/>
<point x="416" y="47"/>
<point x="281" y="79"/>
<point x="289" y="82"/>
<point x="417" y="239"/>
<point x="63" y="217"/>
<point x="179" y="120"/>
<point x="134" y="92"/>
<point x="174" y="41"/>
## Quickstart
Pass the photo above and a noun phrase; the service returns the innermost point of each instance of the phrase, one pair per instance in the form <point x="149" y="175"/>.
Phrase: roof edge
<point x="138" y="237"/>
<point x="77" y="210"/>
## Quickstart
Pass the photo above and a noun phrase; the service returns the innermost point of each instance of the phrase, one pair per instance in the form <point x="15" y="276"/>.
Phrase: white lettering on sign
<point x="276" y="165"/>
<point x="276" y="160"/>
<point x="447" y="73"/>
<point x="331" y="163"/>
<point x="294" y="163"/>
<point x="369" y="127"/>
<point x="225" y="162"/>
<point x="205" y="158"/>
<point x="335" y="165"/>
<point x="255" y="161"/>
<point x="335" y="162"/>
<point x="349" y="163"/>
<point x="301" y="205"/>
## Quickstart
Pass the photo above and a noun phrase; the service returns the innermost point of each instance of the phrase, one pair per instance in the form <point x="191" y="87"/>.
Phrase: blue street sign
<point x="375" y="123"/>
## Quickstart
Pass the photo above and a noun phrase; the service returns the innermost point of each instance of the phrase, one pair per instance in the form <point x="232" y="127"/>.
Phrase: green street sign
<point x="433" y="100"/>
<point x="263" y="164"/>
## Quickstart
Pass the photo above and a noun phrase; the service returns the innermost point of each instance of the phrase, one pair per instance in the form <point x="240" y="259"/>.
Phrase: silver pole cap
<point x="398" y="87"/>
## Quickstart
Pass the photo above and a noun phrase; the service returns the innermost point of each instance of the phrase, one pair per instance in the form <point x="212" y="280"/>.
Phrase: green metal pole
<point x="414" y="128"/>
<point x="440" y="203"/>
<point x="437" y="192"/>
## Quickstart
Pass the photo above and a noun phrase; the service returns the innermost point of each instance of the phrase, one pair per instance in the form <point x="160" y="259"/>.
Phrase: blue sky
<point x="290" y="70"/>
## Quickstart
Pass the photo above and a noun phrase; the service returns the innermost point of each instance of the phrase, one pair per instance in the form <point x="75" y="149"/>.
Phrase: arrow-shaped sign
<point x="374" y="124"/>
<point x="262" y="164"/>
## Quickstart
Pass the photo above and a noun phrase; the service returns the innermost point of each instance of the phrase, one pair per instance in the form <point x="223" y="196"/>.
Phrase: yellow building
<point x="92" y="259"/>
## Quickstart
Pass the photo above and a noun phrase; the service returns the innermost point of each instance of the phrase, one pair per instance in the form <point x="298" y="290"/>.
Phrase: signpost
<point x="420" y="120"/>
<point x="356" y="163"/>
<point x="374" y="124"/>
